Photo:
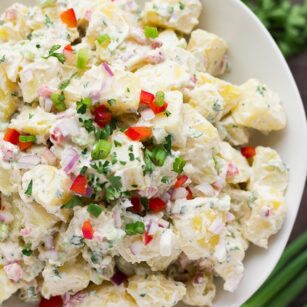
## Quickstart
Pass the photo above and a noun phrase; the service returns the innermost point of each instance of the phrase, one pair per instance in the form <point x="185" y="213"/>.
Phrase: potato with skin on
<point x="35" y="121"/>
<point x="181" y="16"/>
<point x="155" y="290"/>
<point x="71" y="278"/>
<point x="210" y="51"/>
<point x="50" y="188"/>
<point x="259" y="108"/>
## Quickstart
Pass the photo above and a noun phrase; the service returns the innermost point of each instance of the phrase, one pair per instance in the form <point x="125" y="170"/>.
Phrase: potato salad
<point x="126" y="174"/>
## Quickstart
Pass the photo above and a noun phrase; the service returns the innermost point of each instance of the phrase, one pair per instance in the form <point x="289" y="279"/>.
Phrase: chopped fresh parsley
<point x="83" y="105"/>
<point x="181" y="5"/>
<point x="48" y="21"/>
<point x="28" y="191"/>
<point x="117" y="144"/>
<point x="164" y="179"/>
<point x="53" y="53"/>
<point x="2" y="59"/>
<point x="167" y="113"/>
<point x="131" y="156"/>
<point x="88" y="124"/>
<point x="73" y="202"/>
<point x="113" y="191"/>
<point x="261" y="89"/>
<point x="27" y="251"/>
<point x="65" y="83"/>
<point x="149" y="167"/>
<point x="101" y="168"/>
<point x="111" y="102"/>
<point x="83" y="170"/>
<point x="168" y="144"/>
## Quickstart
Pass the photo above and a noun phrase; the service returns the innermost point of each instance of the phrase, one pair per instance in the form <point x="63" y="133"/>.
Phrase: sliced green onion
<point x="104" y="39"/>
<point x="178" y="165"/>
<point x="28" y="191"/>
<point x="94" y="209"/>
<point x="160" y="98"/>
<point x="151" y="32"/>
<point x="130" y="231"/>
<point x="27" y="138"/>
<point x="278" y="282"/>
<point x="139" y="227"/>
<point x="101" y="150"/>
<point x="58" y="101"/>
<point x="73" y="202"/>
<point x="83" y="57"/>
<point x="159" y="155"/>
<point x="285" y="297"/>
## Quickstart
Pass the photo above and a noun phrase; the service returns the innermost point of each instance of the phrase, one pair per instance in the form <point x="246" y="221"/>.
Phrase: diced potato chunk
<point x="69" y="278"/>
<point x="107" y="295"/>
<point x="178" y="15"/>
<point x="34" y="121"/>
<point x="8" y="103"/>
<point x="165" y="76"/>
<point x="268" y="170"/>
<point x="50" y="188"/>
<point x="171" y="122"/>
<point x="210" y="50"/>
<point x="7" y="288"/>
<point x="230" y="93"/>
<point x="259" y="108"/>
<point x="155" y="290"/>
<point x="267" y="216"/>
<point x="238" y="168"/>
<point x="232" y="132"/>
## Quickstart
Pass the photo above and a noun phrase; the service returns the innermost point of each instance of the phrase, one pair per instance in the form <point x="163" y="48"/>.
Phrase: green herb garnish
<point x="95" y="210"/>
<point x="28" y="191"/>
<point x="178" y="165"/>
<point x="53" y="53"/>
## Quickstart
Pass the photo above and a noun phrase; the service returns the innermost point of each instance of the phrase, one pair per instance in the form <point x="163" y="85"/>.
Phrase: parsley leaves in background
<point x="286" y="22"/>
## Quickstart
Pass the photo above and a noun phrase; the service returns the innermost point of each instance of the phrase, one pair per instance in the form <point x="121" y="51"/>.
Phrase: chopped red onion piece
<point x="118" y="278"/>
<point x="28" y="161"/>
<point x="89" y="191"/>
<point x="107" y="69"/>
<point x="73" y="161"/>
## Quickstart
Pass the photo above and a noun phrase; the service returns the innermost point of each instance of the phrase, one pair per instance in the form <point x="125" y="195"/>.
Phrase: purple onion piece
<point x="118" y="278"/>
<point x="108" y="69"/>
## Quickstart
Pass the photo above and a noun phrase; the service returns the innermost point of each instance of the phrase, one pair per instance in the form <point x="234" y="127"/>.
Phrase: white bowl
<point x="253" y="53"/>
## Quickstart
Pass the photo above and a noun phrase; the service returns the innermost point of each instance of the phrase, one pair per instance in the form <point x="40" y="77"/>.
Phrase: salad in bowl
<point x="127" y="177"/>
